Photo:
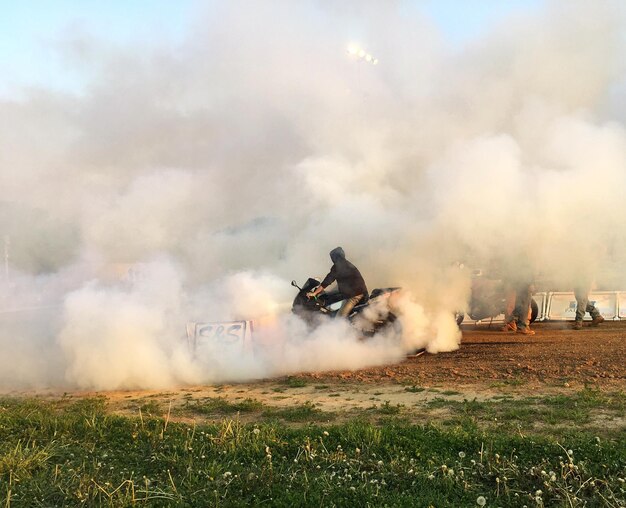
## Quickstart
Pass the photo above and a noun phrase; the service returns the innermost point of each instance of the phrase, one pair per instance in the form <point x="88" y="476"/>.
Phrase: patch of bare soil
<point x="555" y="355"/>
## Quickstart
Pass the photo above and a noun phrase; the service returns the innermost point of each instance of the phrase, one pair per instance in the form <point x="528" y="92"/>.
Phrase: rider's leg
<point x="348" y="305"/>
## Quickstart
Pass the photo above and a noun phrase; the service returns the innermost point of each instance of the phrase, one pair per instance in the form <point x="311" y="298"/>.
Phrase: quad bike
<point x="372" y="316"/>
<point x="489" y="300"/>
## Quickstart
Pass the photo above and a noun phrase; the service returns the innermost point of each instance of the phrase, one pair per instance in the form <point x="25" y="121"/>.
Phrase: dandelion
<point x="227" y="474"/>
<point x="450" y="472"/>
<point x="481" y="501"/>
<point x="431" y="476"/>
<point x="461" y="455"/>
<point x="325" y="433"/>
<point x="380" y="463"/>
<point x="538" y="493"/>
<point x="570" y="452"/>
<point x="256" y="431"/>
<point x="357" y="450"/>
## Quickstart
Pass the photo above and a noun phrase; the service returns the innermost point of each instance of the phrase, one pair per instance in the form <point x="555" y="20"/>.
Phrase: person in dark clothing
<point x="349" y="282"/>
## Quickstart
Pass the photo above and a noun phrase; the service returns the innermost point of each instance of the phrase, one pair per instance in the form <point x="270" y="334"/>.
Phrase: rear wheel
<point x="459" y="317"/>
<point x="389" y="326"/>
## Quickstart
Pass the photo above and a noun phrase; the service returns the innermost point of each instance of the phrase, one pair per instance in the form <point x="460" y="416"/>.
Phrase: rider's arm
<point x="328" y="280"/>
<point x="316" y="291"/>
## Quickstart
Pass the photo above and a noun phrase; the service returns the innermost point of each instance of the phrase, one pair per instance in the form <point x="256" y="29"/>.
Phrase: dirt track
<point x="556" y="354"/>
<point x="488" y="364"/>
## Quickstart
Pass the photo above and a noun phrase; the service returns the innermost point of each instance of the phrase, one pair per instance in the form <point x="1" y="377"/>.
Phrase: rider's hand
<point x="311" y="294"/>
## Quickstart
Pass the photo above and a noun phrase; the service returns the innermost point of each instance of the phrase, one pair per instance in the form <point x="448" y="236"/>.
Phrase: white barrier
<point x="561" y="306"/>
<point x="230" y="334"/>
<point x="621" y="304"/>
<point x="540" y="298"/>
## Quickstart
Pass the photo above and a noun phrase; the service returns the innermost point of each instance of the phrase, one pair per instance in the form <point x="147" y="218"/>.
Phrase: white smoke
<point x="234" y="163"/>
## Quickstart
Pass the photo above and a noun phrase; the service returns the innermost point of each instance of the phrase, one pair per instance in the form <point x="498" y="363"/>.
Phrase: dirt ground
<point x="556" y="354"/>
<point x="488" y="364"/>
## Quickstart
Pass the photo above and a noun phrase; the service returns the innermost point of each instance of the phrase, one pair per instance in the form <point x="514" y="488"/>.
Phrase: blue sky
<point x="28" y="26"/>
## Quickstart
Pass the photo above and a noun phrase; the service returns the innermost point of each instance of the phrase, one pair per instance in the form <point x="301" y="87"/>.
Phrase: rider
<point x="349" y="281"/>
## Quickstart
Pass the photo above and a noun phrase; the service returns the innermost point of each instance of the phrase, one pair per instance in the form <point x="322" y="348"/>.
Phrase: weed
<point x="295" y="382"/>
<point x="220" y="405"/>
<point x="387" y="409"/>
<point x="450" y="392"/>
<point x="414" y="389"/>
<point x="299" y="413"/>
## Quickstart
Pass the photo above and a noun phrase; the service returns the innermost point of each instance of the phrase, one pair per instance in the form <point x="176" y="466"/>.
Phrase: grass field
<point x="563" y="450"/>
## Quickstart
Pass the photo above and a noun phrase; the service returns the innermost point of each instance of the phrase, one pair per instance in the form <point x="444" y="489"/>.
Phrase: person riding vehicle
<point x="350" y="282"/>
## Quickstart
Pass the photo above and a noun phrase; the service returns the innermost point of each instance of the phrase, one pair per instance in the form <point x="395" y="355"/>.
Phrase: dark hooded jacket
<point x="349" y="280"/>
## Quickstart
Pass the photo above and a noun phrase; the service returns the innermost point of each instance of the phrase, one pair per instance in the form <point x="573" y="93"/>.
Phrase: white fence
<point x="561" y="306"/>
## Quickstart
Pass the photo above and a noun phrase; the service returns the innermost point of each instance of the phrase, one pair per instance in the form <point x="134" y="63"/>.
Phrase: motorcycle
<point x="370" y="317"/>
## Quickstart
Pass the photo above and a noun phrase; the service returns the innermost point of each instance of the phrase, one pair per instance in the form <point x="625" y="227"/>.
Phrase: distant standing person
<point x="584" y="305"/>
<point x="518" y="274"/>
<point x="349" y="282"/>
<point x="517" y="313"/>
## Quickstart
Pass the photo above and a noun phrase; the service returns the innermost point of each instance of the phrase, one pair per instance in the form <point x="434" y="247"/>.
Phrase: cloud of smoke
<point x="232" y="164"/>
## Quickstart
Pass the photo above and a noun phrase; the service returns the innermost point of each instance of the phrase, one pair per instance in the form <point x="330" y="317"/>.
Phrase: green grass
<point x="295" y="382"/>
<point x="151" y="407"/>
<point x="306" y="412"/>
<point x="387" y="409"/>
<point x="220" y="406"/>
<point x="69" y="452"/>
<point x="414" y="389"/>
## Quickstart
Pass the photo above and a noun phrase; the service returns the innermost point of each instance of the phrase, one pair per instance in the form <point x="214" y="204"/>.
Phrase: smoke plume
<point x="193" y="183"/>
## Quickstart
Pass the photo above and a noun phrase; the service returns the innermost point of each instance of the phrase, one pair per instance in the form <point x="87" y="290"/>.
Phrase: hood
<point x="336" y="254"/>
